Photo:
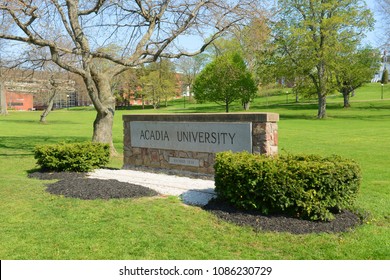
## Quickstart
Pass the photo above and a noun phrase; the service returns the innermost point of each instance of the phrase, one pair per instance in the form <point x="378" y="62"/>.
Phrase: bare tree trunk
<point x="49" y="107"/>
<point x="3" y="101"/>
<point x="346" y="100"/>
<point x="102" y="128"/>
<point x="296" y="96"/>
<point x="155" y="100"/>
<point x="321" y="106"/>
<point x="104" y="103"/>
<point x="246" y="105"/>
<point x="321" y="90"/>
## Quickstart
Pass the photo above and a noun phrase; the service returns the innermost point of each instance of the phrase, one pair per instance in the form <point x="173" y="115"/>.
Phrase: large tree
<point x="225" y="80"/>
<point x="254" y="42"/>
<point x="355" y="69"/>
<point x="158" y="82"/>
<point x="311" y="35"/>
<point x="76" y="33"/>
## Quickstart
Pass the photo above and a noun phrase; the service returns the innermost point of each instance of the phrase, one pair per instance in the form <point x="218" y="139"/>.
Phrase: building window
<point x="14" y="104"/>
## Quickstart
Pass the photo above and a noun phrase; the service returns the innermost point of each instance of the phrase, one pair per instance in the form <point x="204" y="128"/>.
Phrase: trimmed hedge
<point x="304" y="186"/>
<point x="77" y="157"/>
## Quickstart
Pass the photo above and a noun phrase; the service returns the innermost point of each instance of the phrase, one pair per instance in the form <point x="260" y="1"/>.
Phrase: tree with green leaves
<point x="252" y="42"/>
<point x="225" y="80"/>
<point x="354" y="70"/>
<point x="311" y="35"/>
<point x="258" y="49"/>
<point x="158" y="82"/>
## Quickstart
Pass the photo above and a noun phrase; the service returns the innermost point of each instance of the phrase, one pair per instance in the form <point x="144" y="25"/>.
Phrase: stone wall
<point x="264" y="134"/>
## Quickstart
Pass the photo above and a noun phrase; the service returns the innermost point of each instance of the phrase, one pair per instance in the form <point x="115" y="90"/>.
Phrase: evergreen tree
<point x="385" y="77"/>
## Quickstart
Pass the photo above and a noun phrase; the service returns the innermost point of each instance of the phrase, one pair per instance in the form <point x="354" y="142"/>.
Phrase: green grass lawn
<point x="37" y="225"/>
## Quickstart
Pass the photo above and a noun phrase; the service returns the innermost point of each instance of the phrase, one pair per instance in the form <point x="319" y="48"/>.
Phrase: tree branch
<point x="95" y="8"/>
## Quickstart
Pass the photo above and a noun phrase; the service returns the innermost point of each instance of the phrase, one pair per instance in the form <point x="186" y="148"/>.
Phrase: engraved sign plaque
<point x="192" y="136"/>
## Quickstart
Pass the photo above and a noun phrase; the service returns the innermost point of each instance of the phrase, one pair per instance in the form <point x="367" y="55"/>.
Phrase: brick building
<point x="33" y="94"/>
<point x="19" y="101"/>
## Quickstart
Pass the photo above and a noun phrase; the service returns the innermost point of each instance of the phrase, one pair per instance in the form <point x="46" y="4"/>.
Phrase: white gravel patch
<point x="191" y="191"/>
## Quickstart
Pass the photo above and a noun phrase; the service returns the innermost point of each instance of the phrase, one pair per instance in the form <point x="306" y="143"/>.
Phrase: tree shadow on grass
<point x="303" y="111"/>
<point x="308" y="111"/>
<point x="25" y="145"/>
<point x="371" y="106"/>
<point x="16" y="155"/>
<point x="7" y="120"/>
<point x="36" y="122"/>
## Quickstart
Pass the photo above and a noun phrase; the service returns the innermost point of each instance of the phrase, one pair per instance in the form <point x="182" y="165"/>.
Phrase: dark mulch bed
<point x="85" y="188"/>
<point x="343" y="221"/>
<point x="77" y="185"/>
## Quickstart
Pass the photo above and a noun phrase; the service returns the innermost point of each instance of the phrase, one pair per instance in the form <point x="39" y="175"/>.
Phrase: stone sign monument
<point x="189" y="141"/>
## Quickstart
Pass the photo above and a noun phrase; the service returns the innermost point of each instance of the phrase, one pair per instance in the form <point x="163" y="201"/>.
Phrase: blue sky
<point x="374" y="38"/>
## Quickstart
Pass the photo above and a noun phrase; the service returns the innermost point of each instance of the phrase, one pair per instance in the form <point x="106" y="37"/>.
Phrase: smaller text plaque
<point x="184" y="161"/>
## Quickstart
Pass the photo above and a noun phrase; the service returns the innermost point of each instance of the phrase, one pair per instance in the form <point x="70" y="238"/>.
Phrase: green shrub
<point x="304" y="186"/>
<point x="78" y="157"/>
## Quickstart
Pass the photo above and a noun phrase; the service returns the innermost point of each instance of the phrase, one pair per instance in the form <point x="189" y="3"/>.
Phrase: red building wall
<point x="19" y="101"/>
